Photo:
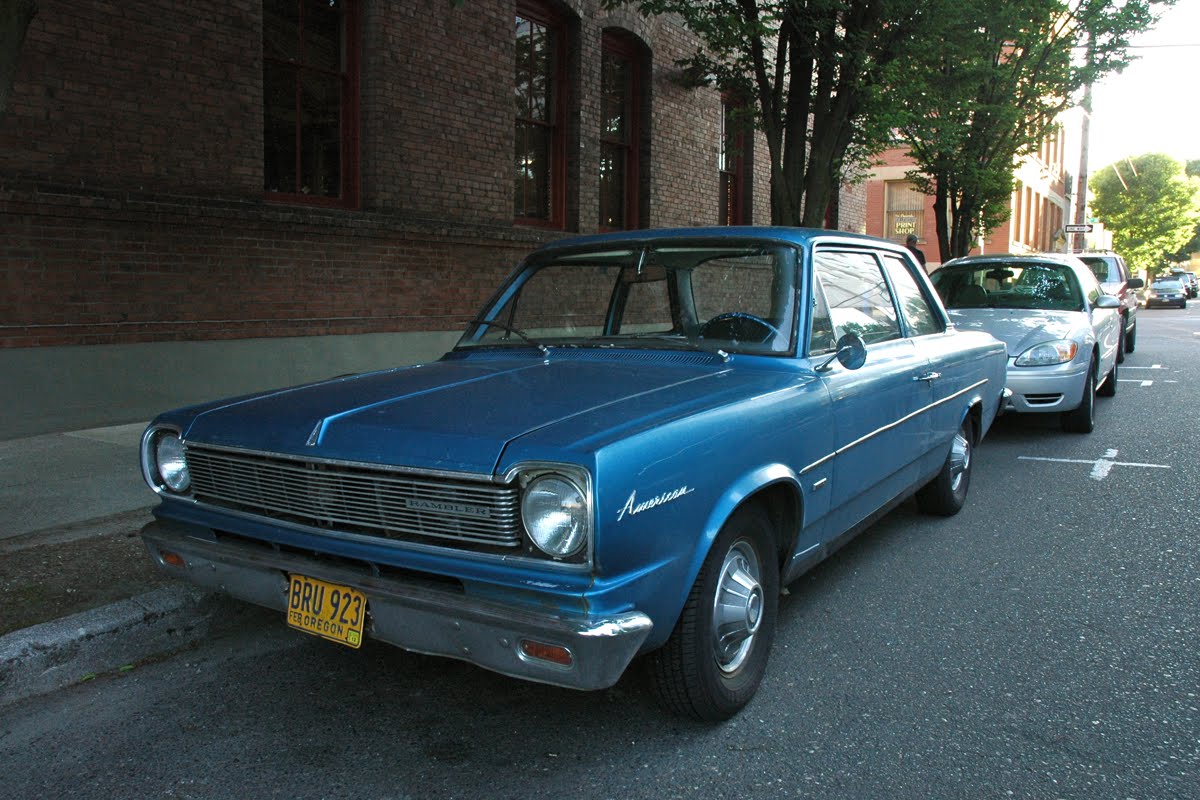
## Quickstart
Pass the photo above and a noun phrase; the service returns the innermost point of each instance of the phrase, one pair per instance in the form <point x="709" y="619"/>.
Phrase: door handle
<point x="928" y="376"/>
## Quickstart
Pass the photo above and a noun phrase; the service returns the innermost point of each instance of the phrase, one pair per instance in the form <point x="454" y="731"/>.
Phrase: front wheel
<point x="717" y="655"/>
<point x="1109" y="387"/>
<point x="1131" y="339"/>
<point x="1082" y="419"/>
<point x="946" y="494"/>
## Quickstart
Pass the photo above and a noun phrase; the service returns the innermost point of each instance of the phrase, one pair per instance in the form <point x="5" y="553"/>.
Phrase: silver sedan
<point x="1061" y="329"/>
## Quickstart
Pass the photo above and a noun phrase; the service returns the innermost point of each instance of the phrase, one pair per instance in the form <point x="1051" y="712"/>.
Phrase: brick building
<point x="1040" y="205"/>
<point x="216" y="196"/>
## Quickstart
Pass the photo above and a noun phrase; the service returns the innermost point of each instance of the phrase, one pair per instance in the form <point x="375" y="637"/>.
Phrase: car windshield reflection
<point x="729" y="296"/>
<point x="1009" y="285"/>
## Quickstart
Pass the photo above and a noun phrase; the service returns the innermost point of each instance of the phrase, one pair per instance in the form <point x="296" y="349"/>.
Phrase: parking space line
<point x="1100" y="466"/>
<point x="1137" y="380"/>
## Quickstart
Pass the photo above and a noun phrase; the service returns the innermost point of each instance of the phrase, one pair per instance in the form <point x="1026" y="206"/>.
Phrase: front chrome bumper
<point x="420" y="618"/>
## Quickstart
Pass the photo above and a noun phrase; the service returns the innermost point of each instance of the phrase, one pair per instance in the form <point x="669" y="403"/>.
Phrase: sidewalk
<point x="79" y="596"/>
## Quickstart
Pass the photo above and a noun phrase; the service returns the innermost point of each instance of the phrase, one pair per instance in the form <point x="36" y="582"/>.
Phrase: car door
<point x="881" y="430"/>
<point x="951" y="369"/>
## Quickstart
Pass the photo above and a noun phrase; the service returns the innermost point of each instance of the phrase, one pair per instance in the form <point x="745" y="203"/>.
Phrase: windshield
<point x="729" y="296"/>
<point x="1169" y="286"/>
<point x="998" y="284"/>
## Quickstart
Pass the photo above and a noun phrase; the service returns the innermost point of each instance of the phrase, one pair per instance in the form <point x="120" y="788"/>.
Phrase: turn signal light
<point x="553" y="653"/>
<point x="174" y="559"/>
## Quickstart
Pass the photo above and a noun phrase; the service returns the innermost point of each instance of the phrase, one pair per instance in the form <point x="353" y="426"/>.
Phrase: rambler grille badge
<point x="448" y="508"/>
<point x="632" y="506"/>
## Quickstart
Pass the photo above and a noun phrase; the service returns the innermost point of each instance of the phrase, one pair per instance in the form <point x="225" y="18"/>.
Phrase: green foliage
<point x="816" y="71"/>
<point x="1151" y="205"/>
<point x="992" y="91"/>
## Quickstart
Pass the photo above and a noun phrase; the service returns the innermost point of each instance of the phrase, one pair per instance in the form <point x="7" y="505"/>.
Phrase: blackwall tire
<point x="717" y="655"/>
<point x="946" y="494"/>
<point x="1083" y="418"/>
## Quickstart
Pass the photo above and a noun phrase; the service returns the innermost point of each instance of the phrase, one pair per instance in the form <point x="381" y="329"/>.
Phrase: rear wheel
<point x="1082" y="419"/>
<point x="717" y="655"/>
<point x="946" y="494"/>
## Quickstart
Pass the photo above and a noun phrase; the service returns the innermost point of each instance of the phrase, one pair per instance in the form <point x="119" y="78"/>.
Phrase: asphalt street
<point x="1042" y="643"/>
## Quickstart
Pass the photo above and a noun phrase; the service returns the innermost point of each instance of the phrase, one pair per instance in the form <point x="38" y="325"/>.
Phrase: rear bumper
<point x="421" y="618"/>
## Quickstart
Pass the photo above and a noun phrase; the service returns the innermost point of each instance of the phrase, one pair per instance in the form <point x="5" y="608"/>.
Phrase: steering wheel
<point x="738" y="326"/>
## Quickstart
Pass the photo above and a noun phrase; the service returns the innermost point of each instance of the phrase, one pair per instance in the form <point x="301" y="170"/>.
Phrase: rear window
<point x="1105" y="269"/>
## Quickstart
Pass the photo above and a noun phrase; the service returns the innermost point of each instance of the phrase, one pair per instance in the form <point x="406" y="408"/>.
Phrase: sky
<point x="1153" y="106"/>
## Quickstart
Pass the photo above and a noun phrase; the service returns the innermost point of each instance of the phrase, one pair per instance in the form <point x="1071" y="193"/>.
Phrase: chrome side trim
<point x="891" y="425"/>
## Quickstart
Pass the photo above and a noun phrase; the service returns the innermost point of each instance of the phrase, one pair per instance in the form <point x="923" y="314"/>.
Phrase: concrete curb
<point x="47" y="657"/>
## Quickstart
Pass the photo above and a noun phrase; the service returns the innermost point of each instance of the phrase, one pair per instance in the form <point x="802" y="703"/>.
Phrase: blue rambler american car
<point x="638" y="442"/>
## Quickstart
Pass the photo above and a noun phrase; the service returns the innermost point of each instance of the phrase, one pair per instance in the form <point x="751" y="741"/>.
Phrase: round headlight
<point x="554" y="511"/>
<point x="170" y="462"/>
<point x="1059" y="351"/>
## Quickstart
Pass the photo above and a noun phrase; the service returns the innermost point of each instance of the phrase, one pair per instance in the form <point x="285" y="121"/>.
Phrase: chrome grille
<point x="357" y="499"/>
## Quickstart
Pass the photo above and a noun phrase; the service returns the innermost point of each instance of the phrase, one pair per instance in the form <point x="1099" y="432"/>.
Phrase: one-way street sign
<point x="1079" y="228"/>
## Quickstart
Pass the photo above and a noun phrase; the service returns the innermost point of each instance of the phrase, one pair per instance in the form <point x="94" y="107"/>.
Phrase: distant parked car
<point x="1187" y="279"/>
<point x="1167" y="292"/>
<point x="639" y="440"/>
<point x="1112" y="272"/>
<point x="1062" y="330"/>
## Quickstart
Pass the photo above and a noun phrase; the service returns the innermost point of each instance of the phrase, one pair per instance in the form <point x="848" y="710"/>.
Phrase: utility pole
<point x="1078" y="242"/>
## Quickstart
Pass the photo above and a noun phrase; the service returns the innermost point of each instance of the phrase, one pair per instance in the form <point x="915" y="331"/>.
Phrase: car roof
<point x="796" y="236"/>
<point x="1061" y="259"/>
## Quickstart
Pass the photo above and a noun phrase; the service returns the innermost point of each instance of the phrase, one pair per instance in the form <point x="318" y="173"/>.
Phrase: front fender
<point x="726" y="503"/>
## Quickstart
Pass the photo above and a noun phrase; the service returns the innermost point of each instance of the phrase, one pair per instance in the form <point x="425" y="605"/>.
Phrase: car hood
<point x="459" y="414"/>
<point x="1020" y="329"/>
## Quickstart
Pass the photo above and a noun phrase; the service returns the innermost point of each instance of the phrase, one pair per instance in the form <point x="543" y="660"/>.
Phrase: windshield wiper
<point x="510" y="329"/>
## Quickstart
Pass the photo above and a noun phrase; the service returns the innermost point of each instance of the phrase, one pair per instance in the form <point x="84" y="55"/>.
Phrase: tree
<point x="990" y="94"/>
<point x="1151" y="206"/>
<point x="15" y="16"/>
<point x="816" y="71"/>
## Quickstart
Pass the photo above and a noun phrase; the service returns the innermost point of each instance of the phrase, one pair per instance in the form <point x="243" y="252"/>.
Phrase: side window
<point x="857" y="294"/>
<point x="922" y="319"/>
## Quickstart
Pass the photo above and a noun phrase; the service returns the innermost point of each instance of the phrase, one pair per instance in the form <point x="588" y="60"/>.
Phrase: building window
<point x="905" y="211"/>
<point x="539" y="183"/>
<point x="310" y="100"/>
<point x="731" y="164"/>
<point x="620" y="132"/>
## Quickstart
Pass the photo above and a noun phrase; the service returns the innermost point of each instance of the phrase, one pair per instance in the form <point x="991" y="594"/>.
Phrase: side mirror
<point x="1107" y="301"/>
<point x="1135" y="283"/>
<point x="851" y="353"/>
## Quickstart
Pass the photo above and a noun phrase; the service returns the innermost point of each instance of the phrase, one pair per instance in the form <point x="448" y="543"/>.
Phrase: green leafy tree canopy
<point x="816" y="72"/>
<point x="992" y="92"/>
<point x="1151" y="205"/>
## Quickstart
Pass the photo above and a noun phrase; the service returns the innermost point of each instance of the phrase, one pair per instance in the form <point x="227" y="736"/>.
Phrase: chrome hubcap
<point x="737" y="607"/>
<point x="960" y="459"/>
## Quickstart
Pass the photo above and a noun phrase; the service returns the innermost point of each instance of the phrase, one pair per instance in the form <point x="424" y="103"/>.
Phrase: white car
<point x="1061" y="329"/>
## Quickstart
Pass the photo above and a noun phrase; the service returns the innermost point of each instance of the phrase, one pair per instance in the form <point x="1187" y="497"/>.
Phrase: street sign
<point x="1079" y="228"/>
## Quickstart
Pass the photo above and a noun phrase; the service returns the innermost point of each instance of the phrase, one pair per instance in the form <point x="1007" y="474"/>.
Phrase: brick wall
<point x="131" y="173"/>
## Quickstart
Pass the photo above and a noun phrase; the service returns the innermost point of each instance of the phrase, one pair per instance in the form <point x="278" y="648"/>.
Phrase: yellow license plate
<point x="327" y="610"/>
